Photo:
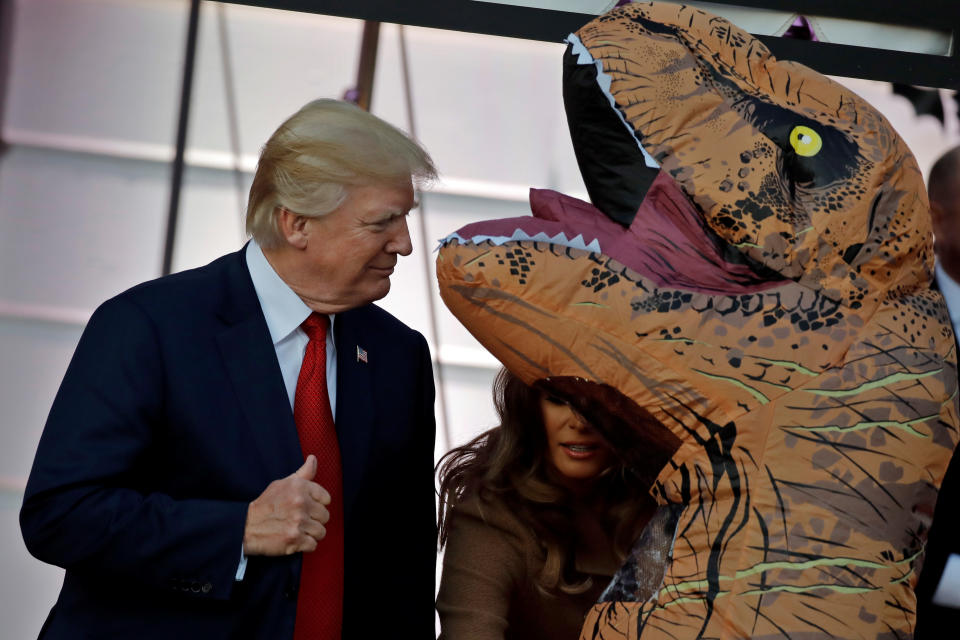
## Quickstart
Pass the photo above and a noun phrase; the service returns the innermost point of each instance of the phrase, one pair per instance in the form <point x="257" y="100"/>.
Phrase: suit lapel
<point x="355" y="398"/>
<point x="254" y="373"/>
<point x="252" y="368"/>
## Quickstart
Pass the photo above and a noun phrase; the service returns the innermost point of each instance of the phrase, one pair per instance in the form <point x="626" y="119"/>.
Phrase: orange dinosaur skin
<point x="816" y="408"/>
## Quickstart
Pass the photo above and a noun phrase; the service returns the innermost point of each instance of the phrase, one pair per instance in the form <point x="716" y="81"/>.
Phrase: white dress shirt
<point x="948" y="590"/>
<point x="950" y="289"/>
<point x="284" y="312"/>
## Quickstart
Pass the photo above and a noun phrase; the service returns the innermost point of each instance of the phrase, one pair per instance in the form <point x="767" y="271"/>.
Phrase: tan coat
<point x="491" y="564"/>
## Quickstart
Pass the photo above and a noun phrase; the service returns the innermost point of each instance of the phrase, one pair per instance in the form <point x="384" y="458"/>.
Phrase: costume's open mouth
<point x="639" y="216"/>
<point x="667" y="241"/>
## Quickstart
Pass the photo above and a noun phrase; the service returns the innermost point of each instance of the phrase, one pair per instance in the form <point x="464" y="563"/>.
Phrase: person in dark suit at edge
<point x="245" y="450"/>
<point x="938" y="596"/>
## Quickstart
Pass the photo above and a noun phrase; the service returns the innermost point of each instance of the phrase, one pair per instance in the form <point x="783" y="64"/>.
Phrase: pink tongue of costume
<point x="667" y="242"/>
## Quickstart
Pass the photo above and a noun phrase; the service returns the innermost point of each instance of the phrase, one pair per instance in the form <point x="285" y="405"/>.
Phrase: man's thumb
<point x="309" y="468"/>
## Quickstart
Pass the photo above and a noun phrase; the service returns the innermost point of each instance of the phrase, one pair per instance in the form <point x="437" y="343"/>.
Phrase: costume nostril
<point x="851" y="252"/>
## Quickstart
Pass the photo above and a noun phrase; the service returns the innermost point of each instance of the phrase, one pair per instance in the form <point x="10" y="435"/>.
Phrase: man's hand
<point x="288" y="516"/>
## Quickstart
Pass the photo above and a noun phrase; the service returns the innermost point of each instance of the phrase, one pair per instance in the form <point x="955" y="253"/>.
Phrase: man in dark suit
<point x="938" y="615"/>
<point x="220" y="461"/>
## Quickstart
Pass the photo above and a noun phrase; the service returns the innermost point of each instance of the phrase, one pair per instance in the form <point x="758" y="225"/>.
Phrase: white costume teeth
<point x="577" y="242"/>
<point x="604" y="81"/>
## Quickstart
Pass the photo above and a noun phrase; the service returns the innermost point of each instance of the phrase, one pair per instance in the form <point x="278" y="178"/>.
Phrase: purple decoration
<point x="801" y="30"/>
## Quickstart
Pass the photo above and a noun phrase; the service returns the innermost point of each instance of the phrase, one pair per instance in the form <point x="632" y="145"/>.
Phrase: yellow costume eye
<point x="805" y="141"/>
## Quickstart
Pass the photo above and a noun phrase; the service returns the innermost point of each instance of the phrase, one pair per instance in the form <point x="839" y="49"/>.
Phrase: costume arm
<point x="91" y="503"/>
<point x="483" y="565"/>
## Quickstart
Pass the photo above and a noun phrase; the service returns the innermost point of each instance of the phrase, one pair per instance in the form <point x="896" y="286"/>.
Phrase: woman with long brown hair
<point x="536" y="515"/>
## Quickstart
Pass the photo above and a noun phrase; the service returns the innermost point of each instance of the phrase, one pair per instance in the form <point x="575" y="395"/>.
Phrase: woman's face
<point x="574" y="448"/>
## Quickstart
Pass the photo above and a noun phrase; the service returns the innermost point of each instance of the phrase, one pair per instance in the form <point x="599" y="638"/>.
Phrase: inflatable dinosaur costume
<point x="750" y="294"/>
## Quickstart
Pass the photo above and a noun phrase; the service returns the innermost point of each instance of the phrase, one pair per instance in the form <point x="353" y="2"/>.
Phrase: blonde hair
<point x="312" y="159"/>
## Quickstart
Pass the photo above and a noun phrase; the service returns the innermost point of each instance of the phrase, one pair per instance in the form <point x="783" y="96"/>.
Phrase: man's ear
<point x="292" y="227"/>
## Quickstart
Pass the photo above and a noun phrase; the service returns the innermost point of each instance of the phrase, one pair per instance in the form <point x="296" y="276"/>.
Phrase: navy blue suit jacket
<point x="172" y="417"/>
<point x="935" y="622"/>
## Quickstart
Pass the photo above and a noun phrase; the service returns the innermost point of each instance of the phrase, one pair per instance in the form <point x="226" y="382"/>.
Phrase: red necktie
<point x="320" y="601"/>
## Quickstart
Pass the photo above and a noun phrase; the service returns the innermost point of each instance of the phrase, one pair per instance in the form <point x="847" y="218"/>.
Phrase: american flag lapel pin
<point x="361" y="354"/>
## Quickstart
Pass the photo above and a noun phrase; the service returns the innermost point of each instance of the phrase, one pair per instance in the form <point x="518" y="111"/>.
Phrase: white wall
<point x="90" y="115"/>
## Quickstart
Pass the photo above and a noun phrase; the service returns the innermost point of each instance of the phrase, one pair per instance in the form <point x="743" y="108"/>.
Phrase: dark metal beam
<point x="7" y="10"/>
<point x="553" y="26"/>
<point x="367" y="66"/>
<point x="176" y="180"/>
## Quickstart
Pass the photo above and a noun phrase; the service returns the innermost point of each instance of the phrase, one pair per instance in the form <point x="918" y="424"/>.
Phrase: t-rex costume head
<point x="752" y="291"/>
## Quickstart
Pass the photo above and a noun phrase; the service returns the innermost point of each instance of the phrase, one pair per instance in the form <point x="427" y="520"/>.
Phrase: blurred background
<point x="89" y="99"/>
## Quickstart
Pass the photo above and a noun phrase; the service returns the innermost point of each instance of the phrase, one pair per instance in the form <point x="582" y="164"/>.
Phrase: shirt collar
<point x="283" y="309"/>
<point x="951" y="292"/>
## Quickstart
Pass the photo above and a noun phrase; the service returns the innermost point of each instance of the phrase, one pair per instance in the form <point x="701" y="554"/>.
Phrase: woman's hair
<point x="326" y="147"/>
<point x="509" y="464"/>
